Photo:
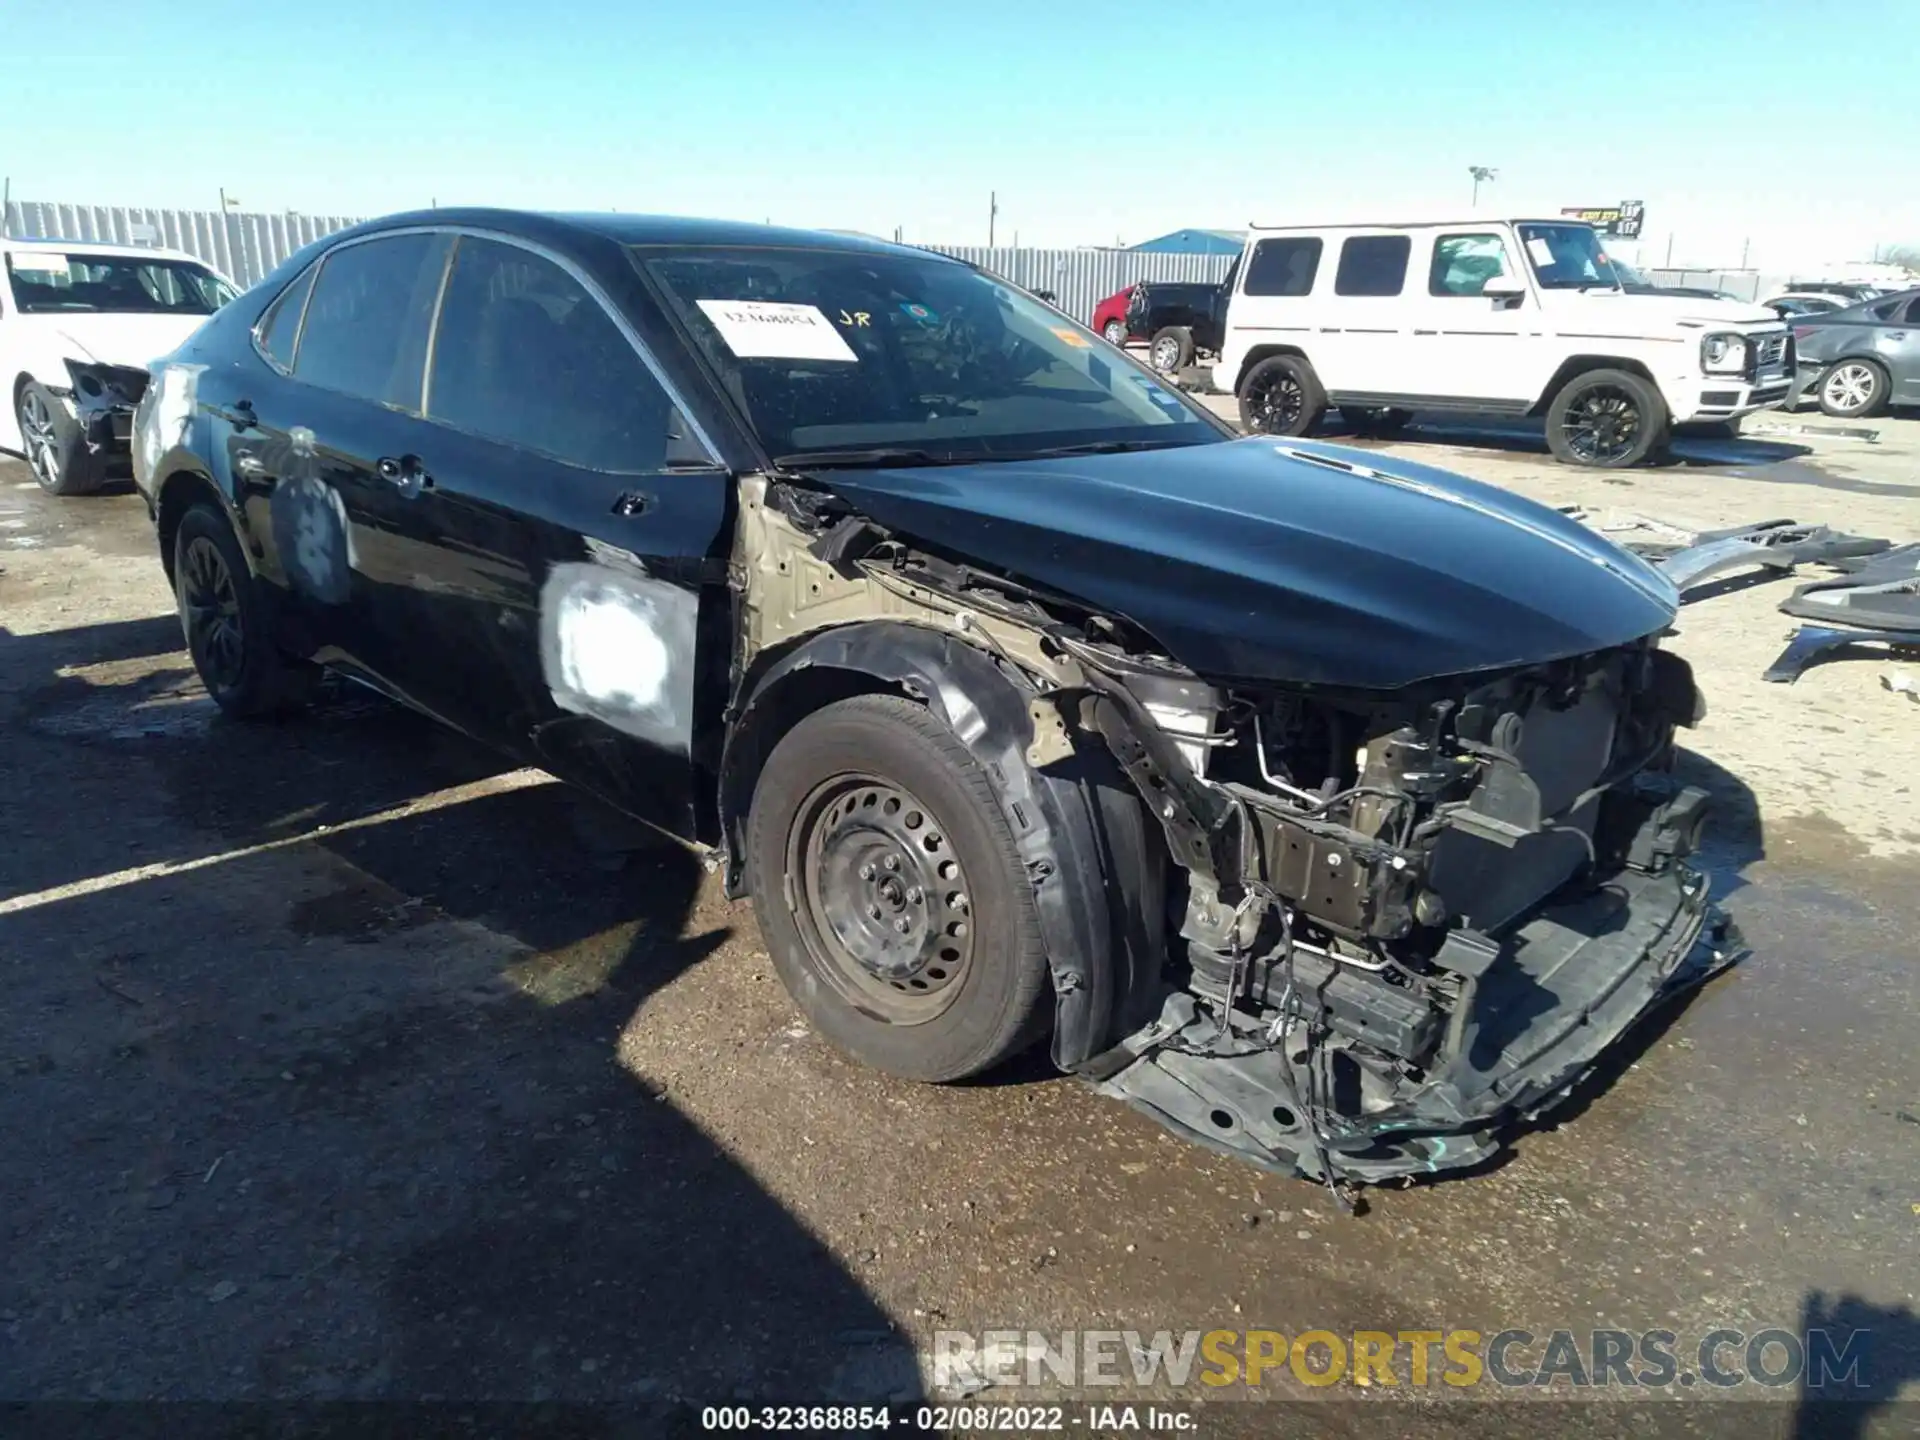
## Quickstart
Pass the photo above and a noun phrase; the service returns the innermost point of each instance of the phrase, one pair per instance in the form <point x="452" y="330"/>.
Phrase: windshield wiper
<point x="1096" y="447"/>
<point x="877" y="455"/>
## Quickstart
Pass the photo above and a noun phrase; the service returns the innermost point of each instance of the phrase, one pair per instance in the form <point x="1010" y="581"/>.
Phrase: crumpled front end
<point x="1411" y="921"/>
<point x="104" y="399"/>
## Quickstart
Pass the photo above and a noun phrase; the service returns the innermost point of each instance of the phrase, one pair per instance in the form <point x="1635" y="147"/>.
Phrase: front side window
<point x="1284" y="267"/>
<point x="1372" y="265"/>
<point x="526" y="356"/>
<point x="46" y="282"/>
<point x="1462" y="264"/>
<point x="1913" y="311"/>
<point x="1568" y="257"/>
<point x="366" y="323"/>
<point x="834" y="350"/>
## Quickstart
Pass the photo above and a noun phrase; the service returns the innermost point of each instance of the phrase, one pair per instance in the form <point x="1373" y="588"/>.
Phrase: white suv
<point x="79" y="324"/>
<point x="1488" y="317"/>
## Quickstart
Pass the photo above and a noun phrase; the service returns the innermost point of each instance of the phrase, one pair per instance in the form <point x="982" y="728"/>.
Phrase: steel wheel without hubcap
<point x="39" y="439"/>
<point x="1116" y="334"/>
<point x="880" y="899"/>
<point x="1602" y="426"/>
<point x="1850" y="389"/>
<point x="211" y="605"/>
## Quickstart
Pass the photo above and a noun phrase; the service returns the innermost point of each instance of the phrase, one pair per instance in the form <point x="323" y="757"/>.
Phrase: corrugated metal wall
<point x="246" y="245"/>
<point x="1081" y="279"/>
<point x="242" y="245"/>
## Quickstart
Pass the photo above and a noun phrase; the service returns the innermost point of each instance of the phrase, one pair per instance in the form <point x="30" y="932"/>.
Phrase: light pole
<point x="1479" y="173"/>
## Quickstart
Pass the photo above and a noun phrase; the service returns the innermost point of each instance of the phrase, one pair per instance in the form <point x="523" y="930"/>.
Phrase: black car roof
<point x="627" y="229"/>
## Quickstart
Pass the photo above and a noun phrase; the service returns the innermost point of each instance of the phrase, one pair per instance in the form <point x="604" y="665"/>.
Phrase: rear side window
<point x="526" y="356"/>
<point x="1462" y="264"/>
<point x="1284" y="267"/>
<point x="1372" y="265"/>
<point x="281" y="326"/>
<point x="366" y="327"/>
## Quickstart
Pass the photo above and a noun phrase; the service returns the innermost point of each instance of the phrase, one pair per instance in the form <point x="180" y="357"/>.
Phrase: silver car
<point x="1859" y="360"/>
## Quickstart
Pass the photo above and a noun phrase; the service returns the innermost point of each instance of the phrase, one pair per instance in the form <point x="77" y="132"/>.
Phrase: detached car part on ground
<point x="1322" y="809"/>
<point x="1876" y="602"/>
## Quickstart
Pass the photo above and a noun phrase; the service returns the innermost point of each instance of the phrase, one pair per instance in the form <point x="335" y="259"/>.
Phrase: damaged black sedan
<point x="1320" y="806"/>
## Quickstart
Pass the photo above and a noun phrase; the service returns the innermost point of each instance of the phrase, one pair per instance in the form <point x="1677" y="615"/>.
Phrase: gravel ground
<point x="341" y="1062"/>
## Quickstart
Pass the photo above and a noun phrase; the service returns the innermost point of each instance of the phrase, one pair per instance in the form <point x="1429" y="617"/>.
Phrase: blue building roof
<point x="1195" y="242"/>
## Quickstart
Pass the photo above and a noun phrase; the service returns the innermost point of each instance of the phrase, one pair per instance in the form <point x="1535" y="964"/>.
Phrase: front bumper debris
<point x="1566" y="986"/>
<point x="104" y="399"/>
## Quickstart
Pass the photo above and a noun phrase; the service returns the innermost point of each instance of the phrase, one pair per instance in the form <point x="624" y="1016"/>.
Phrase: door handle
<point x="405" y="473"/>
<point x="1896" y="334"/>
<point x="241" y="416"/>
<point x="631" y="502"/>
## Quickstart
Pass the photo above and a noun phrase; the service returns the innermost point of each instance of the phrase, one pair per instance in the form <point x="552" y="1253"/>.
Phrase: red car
<point x="1110" y="318"/>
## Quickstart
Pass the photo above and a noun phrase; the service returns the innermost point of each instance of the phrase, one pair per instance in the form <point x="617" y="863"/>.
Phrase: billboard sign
<point x="1621" y="221"/>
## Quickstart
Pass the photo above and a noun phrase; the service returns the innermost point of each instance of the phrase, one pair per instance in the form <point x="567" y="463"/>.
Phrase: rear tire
<point x="1281" y="396"/>
<point x="224" y="619"/>
<point x="1852" y="389"/>
<point x="1171" y="350"/>
<point x="890" y="894"/>
<point x="1115" y="332"/>
<point x="1606" y="420"/>
<point x="55" y="445"/>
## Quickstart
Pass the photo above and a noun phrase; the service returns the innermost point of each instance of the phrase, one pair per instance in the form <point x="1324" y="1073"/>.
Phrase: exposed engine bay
<point x="1436" y="899"/>
<point x="1397" y="921"/>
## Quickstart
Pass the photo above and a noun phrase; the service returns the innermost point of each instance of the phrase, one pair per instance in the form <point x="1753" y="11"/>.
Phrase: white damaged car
<point x="79" y="324"/>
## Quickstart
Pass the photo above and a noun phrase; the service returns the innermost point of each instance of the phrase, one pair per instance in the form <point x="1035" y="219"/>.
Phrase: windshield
<point x="847" y="351"/>
<point x="1567" y="257"/>
<point x="45" y="282"/>
<point x="1626" y="273"/>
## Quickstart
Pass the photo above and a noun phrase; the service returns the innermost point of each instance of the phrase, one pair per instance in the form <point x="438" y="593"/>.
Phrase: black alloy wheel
<point x="210" y="609"/>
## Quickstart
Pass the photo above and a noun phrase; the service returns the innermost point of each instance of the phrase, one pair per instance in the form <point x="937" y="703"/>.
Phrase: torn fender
<point x="1081" y="834"/>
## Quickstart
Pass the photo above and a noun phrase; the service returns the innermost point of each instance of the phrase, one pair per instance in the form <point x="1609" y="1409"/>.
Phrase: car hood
<point x="1634" y="311"/>
<point x="135" y="340"/>
<point x="1288" y="561"/>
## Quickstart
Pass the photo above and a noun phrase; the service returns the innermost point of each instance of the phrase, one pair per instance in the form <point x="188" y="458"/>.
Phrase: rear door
<point x="567" y="531"/>
<point x="1360" y="342"/>
<point x="320" y="447"/>
<point x="1900" y="347"/>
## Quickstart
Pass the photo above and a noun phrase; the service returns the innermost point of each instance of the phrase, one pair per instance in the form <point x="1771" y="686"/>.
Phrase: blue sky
<point x="1758" y="123"/>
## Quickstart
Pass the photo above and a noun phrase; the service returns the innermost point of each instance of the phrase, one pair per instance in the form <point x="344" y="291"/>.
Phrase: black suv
<point x="1319" y="807"/>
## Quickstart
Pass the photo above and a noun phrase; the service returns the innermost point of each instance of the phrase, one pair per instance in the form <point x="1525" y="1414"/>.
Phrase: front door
<point x="566" y="539"/>
<point x="1465" y="344"/>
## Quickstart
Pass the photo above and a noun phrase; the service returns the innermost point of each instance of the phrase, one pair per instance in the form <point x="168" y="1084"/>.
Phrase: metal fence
<point x="246" y="245"/>
<point x="243" y="245"/>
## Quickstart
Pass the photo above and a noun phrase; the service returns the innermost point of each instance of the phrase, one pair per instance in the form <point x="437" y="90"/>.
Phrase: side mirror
<point x="1505" y="290"/>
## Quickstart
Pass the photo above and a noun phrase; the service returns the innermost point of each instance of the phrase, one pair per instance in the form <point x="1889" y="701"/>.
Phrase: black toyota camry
<point x="1318" y="804"/>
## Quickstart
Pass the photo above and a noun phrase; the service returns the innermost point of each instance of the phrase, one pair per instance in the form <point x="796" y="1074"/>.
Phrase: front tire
<point x="1115" y="332"/>
<point x="1171" y="350"/>
<point x="224" y="619"/>
<point x="1853" y="390"/>
<point x="1606" y="420"/>
<point x="56" y="447"/>
<point x="1281" y="396"/>
<point x="890" y="894"/>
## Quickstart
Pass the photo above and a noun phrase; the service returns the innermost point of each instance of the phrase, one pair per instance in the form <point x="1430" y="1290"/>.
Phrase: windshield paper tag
<point x="40" y="261"/>
<point x="1541" y="251"/>
<point x="768" y="330"/>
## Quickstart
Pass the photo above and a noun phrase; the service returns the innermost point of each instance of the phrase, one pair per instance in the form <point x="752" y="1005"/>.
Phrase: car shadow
<point x="376" y="1137"/>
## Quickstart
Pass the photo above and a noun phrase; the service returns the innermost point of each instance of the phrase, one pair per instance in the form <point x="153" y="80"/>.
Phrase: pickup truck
<point x="1182" y="319"/>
